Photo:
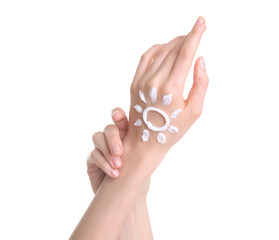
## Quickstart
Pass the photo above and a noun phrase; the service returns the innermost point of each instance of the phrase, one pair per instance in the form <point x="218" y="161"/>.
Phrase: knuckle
<point x="180" y="37"/>
<point x="155" y="46"/>
<point x="133" y="88"/>
<point x="154" y="81"/>
<point x="151" y="83"/>
<point x="145" y="56"/>
<point x="163" y="50"/>
<point x="167" y="88"/>
<point x="91" y="157"/>
<point x="140" y="86"/>
<point x="184" y="53"/>
<point x="96" y="136"/>
<point x="176" y="40"/>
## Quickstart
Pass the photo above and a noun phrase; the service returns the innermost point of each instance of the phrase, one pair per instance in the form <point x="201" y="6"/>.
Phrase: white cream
<point x="138" y="123"/>
<point x="175" y="113"/>
<point x="161" y="138"/>
<point x="173" y="129"/>
<point x="153" y="94"/>
<point x="142" y="97"/>
<point x="145" y="135"/>
<point x="138" y="108"/>
<point x="149" y="124"/>
<point x="166" y="100"/>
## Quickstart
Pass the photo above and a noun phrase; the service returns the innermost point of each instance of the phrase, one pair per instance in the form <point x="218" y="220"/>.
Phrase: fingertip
<point x="117" y="162"/>
<point x="199" y="66"/>
<point x="120" y="120"/>
<point x="114" y="173"/>
<point x="200" y="20"/>
<point x="199" y="27"/>
<point x="202" y="63"/>
<point x="120" y="163"/>
<point x="117" y="114"/>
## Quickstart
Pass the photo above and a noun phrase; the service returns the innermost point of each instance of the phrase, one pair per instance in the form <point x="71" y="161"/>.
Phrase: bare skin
<point x="103" y="160"/>
<point x="165" y="67"/>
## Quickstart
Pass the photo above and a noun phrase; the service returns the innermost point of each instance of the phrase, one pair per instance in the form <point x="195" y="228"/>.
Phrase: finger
<point x="195" y="100"/>
<point x="98" y="158"/>
<point x="186" y="54"/>
<point x="91" y="165"/>
<point x="162" y="53"/>
<point x="120" y="120"/>
<point x="113" y="140"/>
<point x="100" y="142"/>
<point x="169" y="61"/>
<point x="145" y="61"/>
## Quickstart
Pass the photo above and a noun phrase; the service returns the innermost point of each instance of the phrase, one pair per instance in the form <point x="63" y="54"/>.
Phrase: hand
<point x="159" y="115"/>
<point x="106" y="157"/>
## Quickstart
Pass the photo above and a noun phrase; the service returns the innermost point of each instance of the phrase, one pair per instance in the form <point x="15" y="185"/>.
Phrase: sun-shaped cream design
<point x="161" y="138"/>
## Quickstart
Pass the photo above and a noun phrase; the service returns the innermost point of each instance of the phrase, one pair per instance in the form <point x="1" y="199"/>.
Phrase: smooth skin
<point x="115" y="198"/>
<point x="104" y="160"/>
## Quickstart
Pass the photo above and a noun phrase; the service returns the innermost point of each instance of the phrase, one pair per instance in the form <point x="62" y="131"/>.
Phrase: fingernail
<point x="114" y="112"/>
<point x="116" y="149"/>
<point x="114" y="173"/>
<point x="200" y="20"/>
<point x="116" y="162"/>
<point x="202" y="63"/>
<point x="116" y="115"/>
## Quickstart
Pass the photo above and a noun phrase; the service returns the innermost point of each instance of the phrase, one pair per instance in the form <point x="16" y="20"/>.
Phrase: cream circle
<point x="149" y="124"/>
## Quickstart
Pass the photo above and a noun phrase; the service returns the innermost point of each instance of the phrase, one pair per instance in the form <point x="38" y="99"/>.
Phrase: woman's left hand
<point x="159" y="115"/>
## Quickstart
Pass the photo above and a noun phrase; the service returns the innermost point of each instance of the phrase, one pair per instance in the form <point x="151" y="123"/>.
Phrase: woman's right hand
<point x="105" y="158"/>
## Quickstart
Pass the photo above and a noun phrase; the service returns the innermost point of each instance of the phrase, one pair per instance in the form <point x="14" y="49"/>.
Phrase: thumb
<point x="197" y="93"/>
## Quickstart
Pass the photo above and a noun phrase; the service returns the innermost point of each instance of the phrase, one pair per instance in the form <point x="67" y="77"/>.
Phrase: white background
<point x="65" y="64"/>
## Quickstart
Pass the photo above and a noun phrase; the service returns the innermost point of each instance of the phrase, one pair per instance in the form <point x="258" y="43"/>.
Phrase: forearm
<point x="137" y="226"/>
<point x="110" y="208"/>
